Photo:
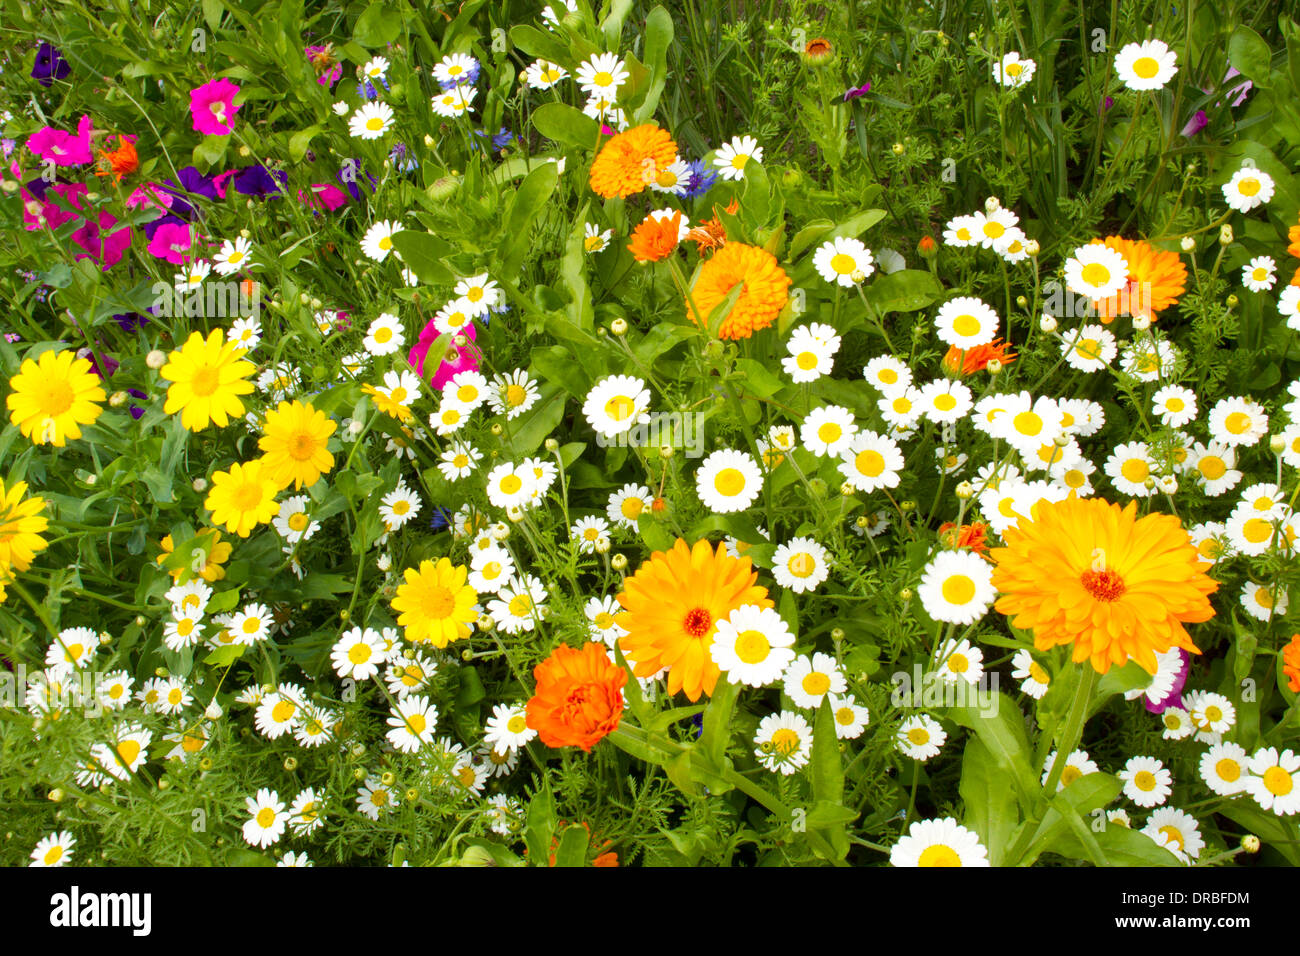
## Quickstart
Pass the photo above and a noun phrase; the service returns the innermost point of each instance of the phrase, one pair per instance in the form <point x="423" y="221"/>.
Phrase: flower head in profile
<point x="1089" y="574"/>
<point x="213" y="108"/>
<point x="671" y="609"/>
<point x="578" y="698"/>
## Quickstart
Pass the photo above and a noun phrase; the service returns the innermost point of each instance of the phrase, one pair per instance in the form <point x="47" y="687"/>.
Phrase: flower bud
<point x="847" y="488"/>
<point x="905" y="595"/>
<point x="965" y="491"/>
<point x="552" y="445"/>
<point x="837" y="634"/>
<point x="291" y="764"/>
<point x="618" y="562"/>
<point x="1021" y="301"/>
<point x="993" y="367"/>
<point x="156" y="359"/>
<point x="1225" y="235"/>
<point x="992" y="205"/>
<point x="1277" y="444"/>
<point x="485" y="622"/>
<point x="213" y="711"/>
<point x="1188" y="244"/>
<point x="56" y="795"/>
<point x="199" y="484"/>
<point x="1141" y="323"/>
<point x="899" y="149"/>
<point x="667" y="451"/>
<point x="1232" y="301"/>
<point x="618" y="326"/>
<point x="1250" y="843"/>
<point x="1047" y="323"/>
<point x="1032" y="248"/>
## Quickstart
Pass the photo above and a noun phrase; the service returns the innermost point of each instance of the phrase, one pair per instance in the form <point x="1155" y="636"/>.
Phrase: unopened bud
<point x="899" y="149"/>
<point x="1047" y="323"/>
<point x="965" y="491"/>
<point x="1250" y="843"/>
<point x="1276" y="444"/>
<point x="667" y="451"/>
<point x="56" y="795"/>
<point x="199" y="484"/>
<point x="1021" y="301"/>
<point x="905" y="595"/>
<point x="992" y="204"/>
<point x="618" y="326"/>
<point x="552" y="445"/>
<point x="1032" y="248"/>
<point x="618" y="562"/>
<point x="1232" y="301"/>
<point x="1225" y="235"/>
<point x="291" y="764"/>
<point x="993" y="367"/>
<point x="156" y="359"/>
<point x="1188" y="244"/>
<point x="1141" y="323"/>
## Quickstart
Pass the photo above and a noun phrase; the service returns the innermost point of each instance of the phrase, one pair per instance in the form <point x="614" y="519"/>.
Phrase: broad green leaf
<point x="567" y="125"/>
<point x="904" y="291"/>
<point x="990" y="803"/>
<point x="540" y="828"/>
<point x="423" y="254"/>
<point x="1248" y="52"/>
<point x="378" y="26"/>
<point x="1003" y="732"/>
<point x="530" y="198"/>
<point x="573" y="847"/>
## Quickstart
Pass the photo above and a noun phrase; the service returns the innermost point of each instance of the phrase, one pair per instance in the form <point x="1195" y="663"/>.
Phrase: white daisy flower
<point x="1148" y="65"/>
<point x="371" y="120"/>
<point x="730" y="158"/>
<point x="843" y="261"/>
<point x="728" y="481"/>
<point x="752" y="646"/>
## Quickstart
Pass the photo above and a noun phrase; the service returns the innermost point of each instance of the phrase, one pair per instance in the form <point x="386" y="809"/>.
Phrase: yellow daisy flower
<point x="207" y="379"/>
<point x="21" y="525"/>
<point x="53" y="396"/>
<point x="293" y="442"/>
<point x="435" y="604"/>
<point x="242" y="498"/>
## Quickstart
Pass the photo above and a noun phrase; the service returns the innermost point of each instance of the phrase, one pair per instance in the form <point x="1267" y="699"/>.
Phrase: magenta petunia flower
<point x="42" y="213"/>
<point x="213" y="107"/>
<point x="454" y="360"/>
<point x="172" y="243"/>
<point x="323" y="195"/>
<point x="60" y="148"/>
<point x="100" y="242"/>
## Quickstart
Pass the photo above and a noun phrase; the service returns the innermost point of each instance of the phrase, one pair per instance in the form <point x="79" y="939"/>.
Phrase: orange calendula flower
<point x="1155" y="280"/>
<point x="763" y="293"/>
<point x="119" y="162"/>
<point x="970" y="536"/>
<point x="631" y="160"/>
<point x="579" y="697"/>
<point x="655" y="238"/>
<point x="671" y="609"/>
<point x="1291" y="663"/>
<point x="708" y="235"/>
<point x="1093" y="575"/>
<point x="1293" y="234"/>
<point x="977" y="358"/>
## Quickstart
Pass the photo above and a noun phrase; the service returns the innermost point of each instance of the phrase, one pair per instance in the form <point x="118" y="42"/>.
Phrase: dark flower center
<point x="1103" y="585"/>
<point x="698" y="621"/>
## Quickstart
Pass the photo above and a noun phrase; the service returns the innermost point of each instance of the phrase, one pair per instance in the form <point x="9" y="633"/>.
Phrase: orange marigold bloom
<point x="579" y="696"/>
<point x="671" y="609"/>
<point x="708" y="235"/>
<point x="119" y="162"/>
<point x="1155" y="280"/>
<point x="977" y="358"/>
<point x="1293" y="234"/>
<point x="970" y="536"/>
<point x="1093" y="575"/>
<point x="763" y="293"/>
<point x="1291" y="663"/>
<point x="631" y="160"/>
<point x="655" y="239"/>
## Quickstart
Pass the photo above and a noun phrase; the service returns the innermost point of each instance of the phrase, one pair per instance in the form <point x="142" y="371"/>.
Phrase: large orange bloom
<point x="1291" y="663"/>
<point x="672" y="606"/>
<point x="631" y="160"/>
<point x="1155" y="280"/>
<point x="579" y="697"/>
<point x="1091" y="574"/>
<point x="763" y="293"/>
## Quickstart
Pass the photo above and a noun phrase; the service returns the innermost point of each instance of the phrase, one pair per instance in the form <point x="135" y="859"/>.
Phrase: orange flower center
<point x="1103" y="585"/>
<point x="698" y="622"/>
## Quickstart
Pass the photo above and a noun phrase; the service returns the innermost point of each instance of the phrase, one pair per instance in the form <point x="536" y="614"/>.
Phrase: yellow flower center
<point x="1248" y="186"/>
<point x="816" y="684"/>
<point x="1228" y="769"/>
<point x="843" y="264"/>
<point x="359" y="653"/>
<point x="1095" y="274"/>
<point x="437" y="602"/>
<point x="1237" y="423"/>
<point x="620" y="407"/>
<point x="785" y="741"/>
<point x="801" y="565"/>
<point x="265" y="817"/>
<point x="1146" y="67"/>
<point x="1135" y="470"/>
<point x="829" y="432"/>
<point x="205" y="381"/>
<point x="958" y="589"/>
<point x="939" y="855"/>
<point x="752" y="647"/>
<point x="53" y="855"/>
<point x="729" y="482"/>
<point x="1144" y="780"/>
<point x="869" y="463"/>
<point x="517" y="724"/>
<point x="1277" y="781"/>
<point x="918" y="736"/>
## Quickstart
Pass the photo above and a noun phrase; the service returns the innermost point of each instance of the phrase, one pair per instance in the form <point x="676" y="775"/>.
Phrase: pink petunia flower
<point x="323" y="195"/>
<point x="39" y="214"/>
<point x="150" y="195"/>
<point x="454" y="359"/>
<point x="60" y="148"/>
<point x="213" y="107"/>
<point x="172" y="243"/>
<point x="100" y="242"/>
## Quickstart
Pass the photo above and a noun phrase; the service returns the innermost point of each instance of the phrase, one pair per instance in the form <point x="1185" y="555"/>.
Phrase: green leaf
<point x="378" y="26"/>
<point x="1282" y="834"/>
<point x="573" y="847"/>
<point x="566" y="125"/>
<point x="1248" y="52"/>
<point x="828" y="776"/>
<point x="904" y="291"/>
<point x="658" y="37"/>
<point x="299" y="142"/>
<point x="539" y="43"/>
<point x="540" y="828"/>
<point x="530" y="198"/>
<point x="990" y="803"/>
<point x="224" y="656"/>
<point x="1003" y="733"/>
<point x="423" y="254"/>
<point x="653" y="533"/>
<point x="759" y="380"/>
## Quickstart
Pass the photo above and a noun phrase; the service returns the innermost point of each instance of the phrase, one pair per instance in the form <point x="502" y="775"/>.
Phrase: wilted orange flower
<point x="977" y="358"/>
<point x="631" y="160"/>
<point x="671" y="609"/>
<point x="971" y="536"/>
<point x="1093" y="575"/>
<point x="763" y="293"/>
<point x="1155" y="280"/>
<point x="655" y="239"/>
<point x="1291" y="663"/>
<point x="579" y="697"/>
<point x="708" y="235"/>
<point x="118" y="162"/>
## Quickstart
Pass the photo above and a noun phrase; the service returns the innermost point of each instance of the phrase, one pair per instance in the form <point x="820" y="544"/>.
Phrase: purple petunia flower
<point x="50" y="65"/>
<point x="256" y="180"/>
